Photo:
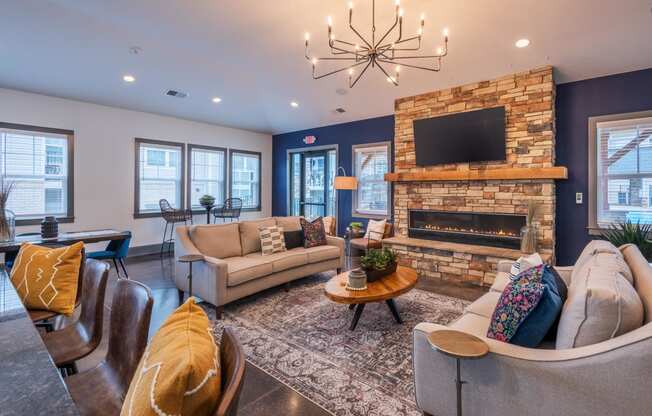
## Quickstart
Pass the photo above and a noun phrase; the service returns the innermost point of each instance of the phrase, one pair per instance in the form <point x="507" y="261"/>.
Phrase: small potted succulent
<point x="378" y="263"/>
<point x="207" y="201"/>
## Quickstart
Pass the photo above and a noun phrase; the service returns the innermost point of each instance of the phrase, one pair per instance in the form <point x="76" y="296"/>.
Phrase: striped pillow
<point x="271" y="240"/>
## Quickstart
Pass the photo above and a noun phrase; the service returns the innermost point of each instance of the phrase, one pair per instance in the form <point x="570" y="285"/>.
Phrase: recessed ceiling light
<point x="217" y="100"/>
<point x="294" y="104"/>
<point x="522" y="43"/>
<point x="128" y="78"/>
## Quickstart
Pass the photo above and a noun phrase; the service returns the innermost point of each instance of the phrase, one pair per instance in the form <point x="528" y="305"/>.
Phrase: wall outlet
<point x="579" y="197"/>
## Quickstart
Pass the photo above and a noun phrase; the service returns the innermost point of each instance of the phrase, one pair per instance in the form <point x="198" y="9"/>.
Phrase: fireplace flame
<point x="500" y="232"/>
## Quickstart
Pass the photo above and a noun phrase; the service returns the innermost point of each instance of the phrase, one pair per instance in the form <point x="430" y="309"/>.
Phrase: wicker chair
<point x="172" y="216"/>
<point x="231" y="209"/>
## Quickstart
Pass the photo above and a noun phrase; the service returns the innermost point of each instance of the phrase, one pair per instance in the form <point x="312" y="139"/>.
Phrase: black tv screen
<point x="473" y="136"/>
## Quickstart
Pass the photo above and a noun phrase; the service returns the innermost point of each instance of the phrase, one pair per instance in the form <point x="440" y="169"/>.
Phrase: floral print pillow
<point x="520" y="297"/>
<point x="314" y="233"/>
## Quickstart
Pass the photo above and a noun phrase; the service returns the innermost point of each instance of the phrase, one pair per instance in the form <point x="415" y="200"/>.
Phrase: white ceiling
<point x="250" y="52"/>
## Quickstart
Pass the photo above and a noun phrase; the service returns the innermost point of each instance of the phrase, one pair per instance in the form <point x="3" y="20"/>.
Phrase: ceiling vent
<point x="340" y="110"/>
<point x="176" y="94"/>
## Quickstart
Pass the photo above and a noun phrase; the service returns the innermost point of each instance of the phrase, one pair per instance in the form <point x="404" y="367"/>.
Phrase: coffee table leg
<point x="351" y="306"/>
<point x="392" y="307"/>
<point x="356" y="316"/>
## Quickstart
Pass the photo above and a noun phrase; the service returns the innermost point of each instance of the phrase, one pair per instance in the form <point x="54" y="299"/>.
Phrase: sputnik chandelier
<point x="374" y="52"/>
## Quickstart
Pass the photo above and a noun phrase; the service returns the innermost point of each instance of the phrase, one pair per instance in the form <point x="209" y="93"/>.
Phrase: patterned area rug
<point x="302" y="339"/>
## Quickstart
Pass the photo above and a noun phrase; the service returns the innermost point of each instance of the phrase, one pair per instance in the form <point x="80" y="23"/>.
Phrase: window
<point x="620" y="169"/>
<point x="245" y="178"/>
<point x="159" y="175"/>
<point x="370" y="164"/>
<point x="207" y="174"/>
<point x="39" y="163"/>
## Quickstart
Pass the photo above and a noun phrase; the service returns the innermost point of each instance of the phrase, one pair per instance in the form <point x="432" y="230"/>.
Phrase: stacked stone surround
<point x="528" y="98"/>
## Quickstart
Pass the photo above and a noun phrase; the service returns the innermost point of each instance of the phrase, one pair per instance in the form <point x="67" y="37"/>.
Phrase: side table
<point x="461" y="346"/>
<point x="190" y="259"/>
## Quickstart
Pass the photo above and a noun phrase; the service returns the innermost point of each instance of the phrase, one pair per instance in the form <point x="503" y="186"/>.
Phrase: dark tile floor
<point x="261" y="394"/>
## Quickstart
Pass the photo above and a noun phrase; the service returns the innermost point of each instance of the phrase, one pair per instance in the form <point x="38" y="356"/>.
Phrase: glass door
<point x="311" y="183"/>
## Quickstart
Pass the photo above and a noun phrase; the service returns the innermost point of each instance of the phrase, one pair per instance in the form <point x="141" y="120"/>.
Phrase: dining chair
<point x="230" y="209"/>
<point x="232" y="368"/>
<point x="117" y="251"/>
<point x="44" y="319"/>
<point x="101" y="390"/>
<point x="172" y="216"/>
<point x="81" y="338"/>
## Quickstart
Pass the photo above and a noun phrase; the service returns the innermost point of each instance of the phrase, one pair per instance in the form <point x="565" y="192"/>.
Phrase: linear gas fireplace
<point x="497" y="230"/>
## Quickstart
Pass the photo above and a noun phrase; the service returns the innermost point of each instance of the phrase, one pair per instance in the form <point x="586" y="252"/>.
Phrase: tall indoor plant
<point x="7" y="217"/>
<point x="627" y="232"/>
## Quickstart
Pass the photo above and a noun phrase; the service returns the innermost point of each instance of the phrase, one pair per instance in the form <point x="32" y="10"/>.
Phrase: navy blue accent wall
<point x="576" y="102"/>
<point x="345" y="135"/>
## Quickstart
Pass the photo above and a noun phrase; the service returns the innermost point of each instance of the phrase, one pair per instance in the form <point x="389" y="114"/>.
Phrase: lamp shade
<point x="346" y="183"/>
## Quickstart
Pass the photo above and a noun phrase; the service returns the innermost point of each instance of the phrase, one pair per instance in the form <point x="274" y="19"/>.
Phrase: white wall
<point x="104" y="156"/>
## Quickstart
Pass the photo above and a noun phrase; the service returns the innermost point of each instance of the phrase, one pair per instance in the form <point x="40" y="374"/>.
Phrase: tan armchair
<point x="364" y="244"/>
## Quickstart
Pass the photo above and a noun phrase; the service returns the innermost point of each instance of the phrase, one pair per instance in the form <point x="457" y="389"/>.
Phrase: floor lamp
<point x="344" y="183"/>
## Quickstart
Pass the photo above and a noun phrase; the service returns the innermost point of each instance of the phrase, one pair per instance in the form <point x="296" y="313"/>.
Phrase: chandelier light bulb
<point x="330" y="21"/>
<point x="351" y="71"/>
<point x="332" y="37"/>
<point x="440" y="50"/>
<point x="400" y="12"/>
<point x="307" y="37"/>
<point x="420" y="31"/>
<point x="446" y="32"/>
<point x="357" y="47"/>
<point x="351" y="5"/>
<point x="423" y="18"/>
<point x="314" y="61"/>
<point x="398" y="2"/>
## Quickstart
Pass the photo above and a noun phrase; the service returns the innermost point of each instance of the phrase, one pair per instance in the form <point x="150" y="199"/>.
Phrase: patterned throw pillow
<point x="46" y="278"/>
<point x="179" y="373"/>
<point x="272" y="240"/>
<point x="525" y="262"/>
<point x="314" y="233"/>
<point x="375" y="230"/>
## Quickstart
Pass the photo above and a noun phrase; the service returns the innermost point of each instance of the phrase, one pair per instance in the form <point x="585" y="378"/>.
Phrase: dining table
<point x="30" y="383"/>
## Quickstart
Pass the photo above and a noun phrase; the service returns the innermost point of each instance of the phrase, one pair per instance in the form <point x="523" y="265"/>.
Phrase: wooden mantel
<point x="555" y="172"/>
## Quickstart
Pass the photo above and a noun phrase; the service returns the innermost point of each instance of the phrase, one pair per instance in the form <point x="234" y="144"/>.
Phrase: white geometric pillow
<point x="375" y="230"/>
<point x="271" y="240"/>
<point x="525" y="262"/>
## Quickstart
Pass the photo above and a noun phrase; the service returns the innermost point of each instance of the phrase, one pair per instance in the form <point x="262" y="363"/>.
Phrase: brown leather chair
<point x="364" y="244"/>
<point x="232" y="364"/>
<point x="79" y="339"/>
<point x="45" y="319"/>
<point x="101" y="391"/>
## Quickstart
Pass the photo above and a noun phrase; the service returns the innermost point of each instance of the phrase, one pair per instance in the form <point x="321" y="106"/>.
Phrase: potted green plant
<point x="378" y="263"/>
<point x="356" y="225"/>
<point x="627" y="232"/>
<point x="207" y="201"/>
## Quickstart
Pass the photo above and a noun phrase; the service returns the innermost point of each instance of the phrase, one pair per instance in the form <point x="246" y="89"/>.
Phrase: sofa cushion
<point x="594" y="247"/>
<point x="216" y="240"/>
<point x="289" y="223"/>
<point x="249" y="235"/>
<point x="484" y="305"/>
<point x="322" y="253"/>
<point x="473" y="324"/>
<point x="642" y="273"/>
<point x="283" y="261"/>
<point x="501" y="280"/>
<point x="601" y="305"/>
<point x="245" y="269"/>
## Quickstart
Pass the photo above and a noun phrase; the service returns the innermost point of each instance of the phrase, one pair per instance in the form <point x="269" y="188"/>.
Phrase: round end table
<point x="190" y="259"/>
<point x="461" y="346"/>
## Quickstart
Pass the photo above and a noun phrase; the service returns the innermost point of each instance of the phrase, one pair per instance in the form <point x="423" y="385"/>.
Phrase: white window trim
<point x="354" y="200"/>
<point x="624" y="118"/>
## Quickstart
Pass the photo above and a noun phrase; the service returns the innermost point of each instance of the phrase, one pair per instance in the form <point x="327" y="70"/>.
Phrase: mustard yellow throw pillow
<point x="179" y="373"/>
<point x="46" y="278"/>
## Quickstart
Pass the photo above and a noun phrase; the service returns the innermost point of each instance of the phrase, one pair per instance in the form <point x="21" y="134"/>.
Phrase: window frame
<point x="191" y="147"/>
<point x="138" y="141"/>
<point x="258" y="208"/>
<point x="354" y="197"/>
<point x="593" y="227"/>
<point x="70" y="180"/>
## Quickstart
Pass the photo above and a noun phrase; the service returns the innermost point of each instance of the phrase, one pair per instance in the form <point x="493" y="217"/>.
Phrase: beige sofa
<point x="234" y="266"/>
<point x="611" y="377"/>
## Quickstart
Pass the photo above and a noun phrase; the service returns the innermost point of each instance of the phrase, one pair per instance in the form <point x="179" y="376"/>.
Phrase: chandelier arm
<point x="333" y="58"/>
<point x="359" y="75"/>
<point x="387" y="33"/>
<point x="436" y="69"/>
<point x="335" y="71"/>
<point x="385" y="72"/>
<point x="389" y="45"/>
<point x="358" y="33"/>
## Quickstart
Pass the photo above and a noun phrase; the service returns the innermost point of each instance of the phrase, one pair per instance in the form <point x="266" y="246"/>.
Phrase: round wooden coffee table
<point x="385" y="289"/>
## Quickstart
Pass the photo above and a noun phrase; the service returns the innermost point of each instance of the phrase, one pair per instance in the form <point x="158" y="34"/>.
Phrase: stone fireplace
<point x="453" y="224"/>
<point x="495" y="230"/>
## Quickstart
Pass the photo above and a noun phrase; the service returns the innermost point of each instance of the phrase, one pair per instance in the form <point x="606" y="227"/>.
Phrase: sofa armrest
<point x="504" y="266"/>
<point x="573" y="379"/>
<point x="339" y="243"/>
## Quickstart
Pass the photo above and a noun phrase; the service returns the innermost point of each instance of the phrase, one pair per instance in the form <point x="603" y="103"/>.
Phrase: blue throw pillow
<point x="527" y="308"/>
<point x="533" y="330"/>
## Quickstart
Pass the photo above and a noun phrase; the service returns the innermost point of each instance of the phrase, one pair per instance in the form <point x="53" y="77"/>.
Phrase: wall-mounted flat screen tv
<point x="473" y="136"/>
